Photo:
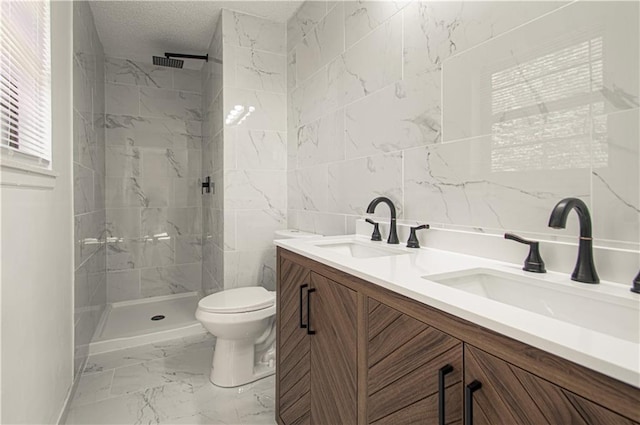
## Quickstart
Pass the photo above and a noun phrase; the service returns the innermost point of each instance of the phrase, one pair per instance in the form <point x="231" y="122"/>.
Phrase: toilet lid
<point x="239" y="300"/>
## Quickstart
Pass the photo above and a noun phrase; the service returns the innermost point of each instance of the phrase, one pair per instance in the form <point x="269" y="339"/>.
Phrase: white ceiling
<point x="140" y="29"/>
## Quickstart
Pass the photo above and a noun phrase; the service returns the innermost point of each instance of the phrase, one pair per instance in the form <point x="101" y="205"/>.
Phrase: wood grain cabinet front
<point x="497" y="392"/>
<point x="317" y="340"/>
<point x="414" y="371"/>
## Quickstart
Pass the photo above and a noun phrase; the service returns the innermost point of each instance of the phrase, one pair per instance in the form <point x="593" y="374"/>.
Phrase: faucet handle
<point x="375" y="236"/>
<point x="636" y="284"/>
<point x="413" y="242"/>
<point x="533" y="262"/>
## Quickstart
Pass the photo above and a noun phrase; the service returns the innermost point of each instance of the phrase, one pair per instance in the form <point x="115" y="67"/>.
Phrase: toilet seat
<point x="238" y="300"/>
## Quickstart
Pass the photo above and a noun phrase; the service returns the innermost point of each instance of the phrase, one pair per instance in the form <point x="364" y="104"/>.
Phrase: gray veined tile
<point x="291" y="69"/>
<point x="161" y="103"/>
<point x="123" y="161"/>
<point x="362" y="17"/>
<point x="303" y="21"/>
<point x="83" y="189"/>
<point x="322" y="141"/>
<point x="171" y="280"/>
<point x="174" y="221"/>
<point x="321" y="45"/>
<point x="123" y="222"/>
<point x="92" y="388"/>
<point x="126" y="71"/>
<point x="257" y="149"/>
<point x="122" y="285"/>
<point x="122" y="100"/>
<point x="244" y="30"/>
<point x="403" y="115"/>
<point x="187" y="80"/>
<point x="253" y="69"/>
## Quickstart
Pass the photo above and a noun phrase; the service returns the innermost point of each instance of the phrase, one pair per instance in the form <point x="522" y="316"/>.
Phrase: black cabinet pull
<point x="441" y="408"/>
<point x="309" y="292"/>
<point x="302" y="325"/>
<point x="468" y="401"/>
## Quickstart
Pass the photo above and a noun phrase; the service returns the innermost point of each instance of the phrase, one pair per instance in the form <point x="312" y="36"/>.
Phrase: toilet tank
<point x="294" y="234"/>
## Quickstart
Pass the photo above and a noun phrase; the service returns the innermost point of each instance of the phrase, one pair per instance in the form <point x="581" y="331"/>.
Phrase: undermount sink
<point x="601" y="312"/>
<point x="360" y="250"/>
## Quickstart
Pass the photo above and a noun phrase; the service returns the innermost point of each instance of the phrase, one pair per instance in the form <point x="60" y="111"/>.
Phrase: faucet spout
<point x="585" y="270"/>
<point x="393" y="232"/>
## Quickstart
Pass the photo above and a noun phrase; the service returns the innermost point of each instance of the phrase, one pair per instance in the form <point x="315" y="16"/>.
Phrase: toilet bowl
<point x="243" y="322"/>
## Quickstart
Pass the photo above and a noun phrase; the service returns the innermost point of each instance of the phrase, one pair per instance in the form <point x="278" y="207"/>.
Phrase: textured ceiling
<point x="141" y="29"/>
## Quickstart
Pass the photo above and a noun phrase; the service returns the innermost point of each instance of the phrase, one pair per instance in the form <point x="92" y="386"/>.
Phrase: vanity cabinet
<point x="414" y="371"/>
<point x="317" y="335"/>
<point x="498" y="392"/>
<point x="369" y="355"/>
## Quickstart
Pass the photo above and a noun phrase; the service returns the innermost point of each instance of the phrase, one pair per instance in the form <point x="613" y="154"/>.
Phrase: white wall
<point x="37" y="265"/>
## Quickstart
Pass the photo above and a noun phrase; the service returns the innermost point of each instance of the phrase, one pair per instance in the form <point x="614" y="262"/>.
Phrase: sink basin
<point x="360" y="250"/>
<point x="589" y="308"/>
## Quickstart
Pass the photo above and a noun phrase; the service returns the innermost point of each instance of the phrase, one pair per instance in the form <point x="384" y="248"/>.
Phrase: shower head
<point x="166" y="61"/>
<point x="176" y="63"/>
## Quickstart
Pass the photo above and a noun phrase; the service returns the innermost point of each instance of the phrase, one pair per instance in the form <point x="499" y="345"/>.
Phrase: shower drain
<point x="158" y="317"/>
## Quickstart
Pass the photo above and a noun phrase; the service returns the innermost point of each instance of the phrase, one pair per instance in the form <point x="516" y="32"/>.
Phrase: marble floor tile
<point x="166" y="383"/>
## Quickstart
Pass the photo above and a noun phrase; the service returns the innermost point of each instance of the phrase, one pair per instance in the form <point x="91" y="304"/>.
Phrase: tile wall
<point x="245" y="150"/>
<point x="153" y="171"/>
<point x="212" y="158"/>
<point x="88" y="180"/>
<point x="477" y="116"/>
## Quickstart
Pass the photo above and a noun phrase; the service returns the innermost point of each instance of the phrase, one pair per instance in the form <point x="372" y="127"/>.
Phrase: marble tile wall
<point x="88" y="180"/>
<point x="212" y="165"/>
<point x="153" y="175"/>
<point x="476" y="116"/>
<point x="254" y="148"/>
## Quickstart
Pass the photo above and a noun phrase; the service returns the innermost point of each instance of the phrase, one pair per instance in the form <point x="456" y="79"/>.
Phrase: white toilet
<point x="243" y="322"/>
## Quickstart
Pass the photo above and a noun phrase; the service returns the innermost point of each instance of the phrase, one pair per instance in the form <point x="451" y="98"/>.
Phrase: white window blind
<point x="25" y="80"/>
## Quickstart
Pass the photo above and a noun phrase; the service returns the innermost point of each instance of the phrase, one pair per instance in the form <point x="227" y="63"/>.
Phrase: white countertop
<point x="403" y="274"/>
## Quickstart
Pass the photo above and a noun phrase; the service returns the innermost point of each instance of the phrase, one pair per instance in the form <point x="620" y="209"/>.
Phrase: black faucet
<point x="585" y="270"/>
<point x="636" y="284"/>
<point x="393" y="232"/>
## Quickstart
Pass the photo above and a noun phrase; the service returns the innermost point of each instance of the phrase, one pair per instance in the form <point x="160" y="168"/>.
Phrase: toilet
<point x="243" y="322"/>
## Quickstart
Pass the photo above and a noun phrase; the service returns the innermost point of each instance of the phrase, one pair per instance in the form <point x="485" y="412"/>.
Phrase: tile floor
<point x="166" y="383"/>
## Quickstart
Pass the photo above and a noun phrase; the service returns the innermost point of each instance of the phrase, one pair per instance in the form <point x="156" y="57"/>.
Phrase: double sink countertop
<point x="596" y="326"/>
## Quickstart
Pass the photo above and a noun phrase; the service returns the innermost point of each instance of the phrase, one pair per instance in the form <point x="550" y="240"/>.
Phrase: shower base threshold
<point x="129" y="323"/>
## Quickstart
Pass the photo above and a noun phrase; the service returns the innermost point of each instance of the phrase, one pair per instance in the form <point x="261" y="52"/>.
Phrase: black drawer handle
<point x="444" y="370"/>
<point x="309" y="292"/>
<point x="468" y="401"/>
<point x="302" y="325"/>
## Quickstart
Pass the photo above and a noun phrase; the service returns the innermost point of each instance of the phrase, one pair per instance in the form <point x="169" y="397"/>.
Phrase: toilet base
<point x="234" y="364"/>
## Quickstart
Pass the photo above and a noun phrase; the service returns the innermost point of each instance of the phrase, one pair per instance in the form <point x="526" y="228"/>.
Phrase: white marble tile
<point x="174" y="221"/>
<point x="186" y="192"/>
<point x="83" y="188"/>
<point x="141" y="132"/>
<point x="250" y="268"/>
<point x="226" y="229"/>
<point x="123" y="222"/>
<point x="255" y="229"/>
<point x="123" y="161"/>
<point x="187" y="80"/>
<point x="254" y="69"/>
<point x="434" y="31"/>
<point x="122" y="99"/>
<point x="161" y="103"/>
<point x="85" y="143"/>
<point x="93" y="387"/>
<point x="321" y="45"/>
<point x="188" y="249"/>
<point x="259" y="150"/>
<point x="260" y="189"/>
<point x="121" y="286"/>
<point x="361" y="17"/>
<point x="308" y="101"/>
<point x="126" y="71"/>
<point x="164" y="162"/>
<point x="303" y="21"/>
<point x="269" y="109"/>
<point x="400" y="116"/>
<point x="353" y="184"/>
<point x="308" y="188"/>
<point x="508" y="85"/>
<point x="244" y="30"/>
<point x="292" y="79"/>
<point x="82" y="90"/>
<point x="372" y="63"/>
<point x="323" y="140"/>
<point x="170" y="280"/>
<point x="320" y="223"/>
<point x="466" y="183"/>
<point x="615" y="177"/>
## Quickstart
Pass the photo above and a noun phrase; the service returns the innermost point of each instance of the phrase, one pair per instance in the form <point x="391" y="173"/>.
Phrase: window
<point x="25" y="82"/>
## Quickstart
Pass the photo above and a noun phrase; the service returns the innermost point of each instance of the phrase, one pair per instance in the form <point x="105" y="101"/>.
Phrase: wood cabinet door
<point x="333" y="319"/>
<point x="294" y="401"/>
<point x="412" y="369"/>
<point x="510" y="395"/>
